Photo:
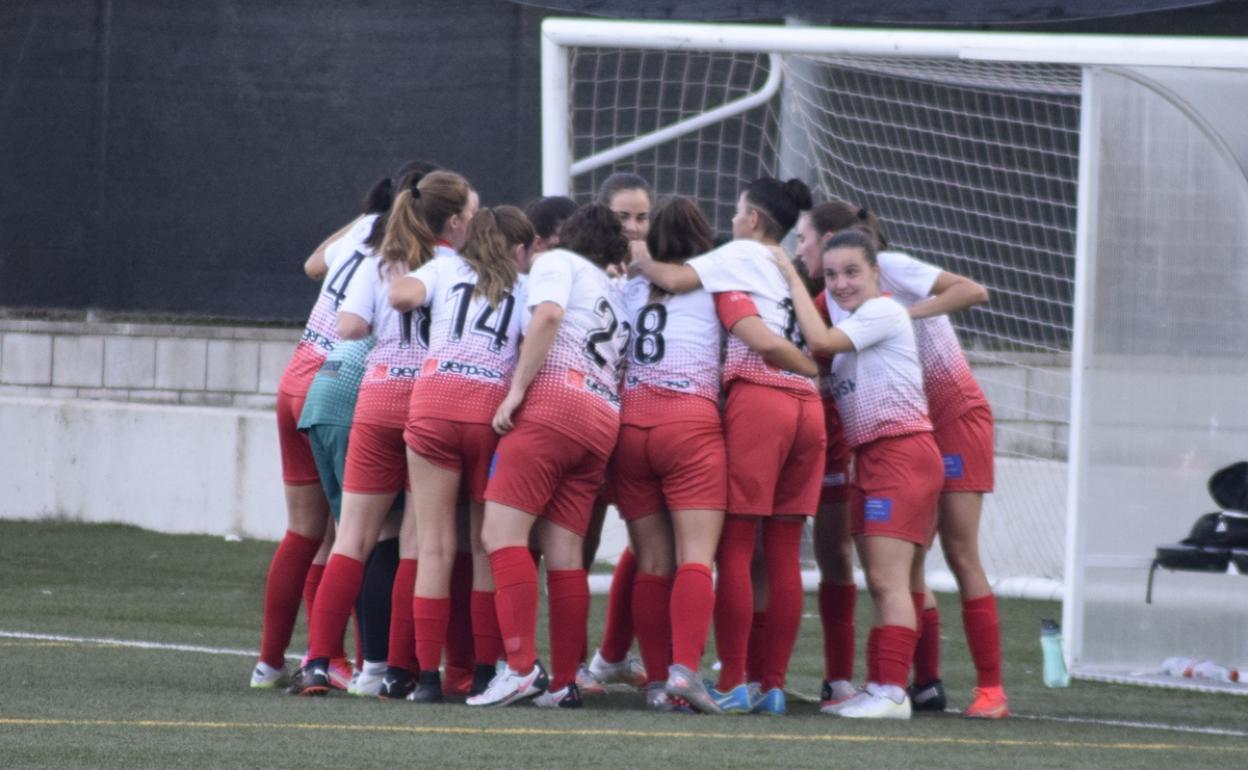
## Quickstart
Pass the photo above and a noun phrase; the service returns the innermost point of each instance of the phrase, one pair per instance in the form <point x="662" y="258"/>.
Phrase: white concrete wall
<point x="172" y="469"/>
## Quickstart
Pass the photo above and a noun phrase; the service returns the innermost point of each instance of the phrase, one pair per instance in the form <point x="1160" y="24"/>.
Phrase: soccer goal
<point x="1096" y="185"/>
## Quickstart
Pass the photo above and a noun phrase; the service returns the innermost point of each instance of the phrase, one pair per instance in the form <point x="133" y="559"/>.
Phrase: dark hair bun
<point x="800" y="193"/>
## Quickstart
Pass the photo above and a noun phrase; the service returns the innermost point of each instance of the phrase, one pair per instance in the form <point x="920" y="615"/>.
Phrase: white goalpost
<point x="1096" y="184"/>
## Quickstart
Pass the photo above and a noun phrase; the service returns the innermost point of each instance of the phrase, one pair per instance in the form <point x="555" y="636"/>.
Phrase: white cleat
<point x="629" y="671"/>
<point x="836" y="694"/>
<point x="265" y="677"/>
<point x="507" y="687"/>
<point x="877" y="702"/>
<point x="367" y="681"/>
<point x="588" y="683"/>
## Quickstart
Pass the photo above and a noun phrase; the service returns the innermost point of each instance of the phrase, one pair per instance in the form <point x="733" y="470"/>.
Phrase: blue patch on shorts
<point x="953" y="466"/>
<point x="493" y="465"/>
<point x="878" y="509"/>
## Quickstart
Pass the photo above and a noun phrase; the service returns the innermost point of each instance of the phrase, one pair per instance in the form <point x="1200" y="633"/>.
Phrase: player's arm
<point x="950" y="293"/>
<point x="774" y="349"/>
<point x="672" y="278"/>
<point x="407" y="293"/>
<point x="352" y="326"/>
<point x="820" y="338"/>
<point x="538" y="339"/>
<point x="315" y="266"/>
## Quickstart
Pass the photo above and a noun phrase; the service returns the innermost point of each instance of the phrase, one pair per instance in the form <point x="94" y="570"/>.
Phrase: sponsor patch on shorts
<point x="878" y="509"/>
<point x="953" y="466"/>
<point x="834" y="480"/>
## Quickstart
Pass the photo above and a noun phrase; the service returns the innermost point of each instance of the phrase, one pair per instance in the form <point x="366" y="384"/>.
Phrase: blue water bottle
<point x="1055" y="673"/>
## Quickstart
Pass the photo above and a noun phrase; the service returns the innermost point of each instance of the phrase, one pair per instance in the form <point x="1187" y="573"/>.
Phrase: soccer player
<point x="878" y="385"/>
<point x="628" y="197"/>
<point x="773" y="429"/>
<point x="963" y="425"/>
<point x="473" y="337"/>
<point x="326" y="419"/>
<point x="334" y="262"/>
<point x="559" y="423"/>
<point x="546" y="215"/>
<point x="427" y="220"/>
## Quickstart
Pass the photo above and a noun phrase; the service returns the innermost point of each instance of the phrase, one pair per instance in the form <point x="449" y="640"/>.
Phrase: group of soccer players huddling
<point x="475" y="385"/>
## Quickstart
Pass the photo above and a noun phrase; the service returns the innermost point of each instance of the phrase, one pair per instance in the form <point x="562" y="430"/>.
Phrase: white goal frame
<point x="1090" y="52"/>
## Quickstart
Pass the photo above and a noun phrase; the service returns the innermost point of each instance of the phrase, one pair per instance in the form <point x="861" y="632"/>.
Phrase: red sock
<point x="487" y="642"/>
<point x="756" y="649"/>
<point x="282" y="587"/>
<point x="515" y="599"/>
<point x="310" y="583"/>
<point x="402" y="648"/>
<point x="782" y="539"/>
<point x="652" y="618"/>
<point x="429" y="621"/>
<point x="617" y="633"/>
<point x="459" y="630"/>
<point x="983" y="636"/>
<point x="734" y="598"/>
<point x="693" y="601"/>
<point x="334" y="601"/>
<point x="567" y="597"/>
<point x="895" y="650"/>
<point x="836" y="610"/>
<point x="927" y="647"/>
<point x="873" y="655"/>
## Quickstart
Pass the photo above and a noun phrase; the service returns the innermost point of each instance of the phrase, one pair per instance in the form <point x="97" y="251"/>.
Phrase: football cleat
<point x="836" y="692"/>
<point x="771" y="702"/>
<point x="928" y="697"/>
<point x="509" y="686"/>
<point x="988" y="703"/>
<point x="587" y="683"/>
<point x="567" y="698"/>
<point x="313" y="679"/>
<point x="428" y="689"/>
<point x="265" y="677"/>
<point x="735" y="701"/>
<point x="397" y="684"/>
<point x="340" y="673"/>
<point x="368" y="679"/>
<point x="481" y="676"/>
<point x="877" y="702"/>
<point x="685" y="684"/>
<point x="458" y="681"/>
<point x="629" y="671"/>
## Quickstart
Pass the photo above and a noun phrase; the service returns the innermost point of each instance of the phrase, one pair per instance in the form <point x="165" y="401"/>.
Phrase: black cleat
<point x="927" y="697"/>
<point x="481" y="676"/>
<point x="428" y="689"/>
<point x="397" y="684"/>
<point x="312" y="679"/>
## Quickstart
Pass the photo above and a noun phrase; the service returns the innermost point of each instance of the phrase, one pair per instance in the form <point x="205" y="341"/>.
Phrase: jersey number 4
<point x="337" y="286"/>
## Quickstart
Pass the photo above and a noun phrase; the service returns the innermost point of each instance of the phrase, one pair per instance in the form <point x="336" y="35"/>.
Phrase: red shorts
<point x="464" y="447"/>
<point x="376" y="460"/>
<point x="776" y="445"/>
<point x="674" y="467"/>
<point x="298" y="463"/>
<point x="836" y="462"/>
<point x="896" y="484"/>
<point x="540" y="471"/>
<point x="966" y="446"/>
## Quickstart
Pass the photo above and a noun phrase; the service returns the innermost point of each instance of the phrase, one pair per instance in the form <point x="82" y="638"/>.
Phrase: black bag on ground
<point x="1216" y="538"/>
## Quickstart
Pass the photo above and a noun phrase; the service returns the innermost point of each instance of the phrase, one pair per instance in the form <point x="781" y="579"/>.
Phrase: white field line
<point x="145" y="645"/>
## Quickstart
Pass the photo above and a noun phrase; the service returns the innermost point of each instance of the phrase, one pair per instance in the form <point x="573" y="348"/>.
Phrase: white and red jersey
<point x="745" y="267"/>
<point x="576" y="392"/>
<point x="879" y="386"/>
<point x="950" y="386"/>
<point x="472" y="346"/>
<point x="343" y="258"/>
<point x="402" y="340"/>
<point x="674" y="354"/>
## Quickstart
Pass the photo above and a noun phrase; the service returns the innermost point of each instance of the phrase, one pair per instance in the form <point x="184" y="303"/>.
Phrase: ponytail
<point x="419" y="215"/>
<point x="487" y="251"/>
<point x="780" y="203"/>
<point x="380" y="198"/>
<point x="836" y="215"/>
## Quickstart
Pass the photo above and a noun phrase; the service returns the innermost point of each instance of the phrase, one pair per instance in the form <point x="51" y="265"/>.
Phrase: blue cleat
<point x="735" y="701"/>
<point x="770" y="702"/>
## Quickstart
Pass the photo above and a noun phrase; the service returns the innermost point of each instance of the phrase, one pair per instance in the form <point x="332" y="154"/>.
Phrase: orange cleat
<point x="988" y="703"/>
